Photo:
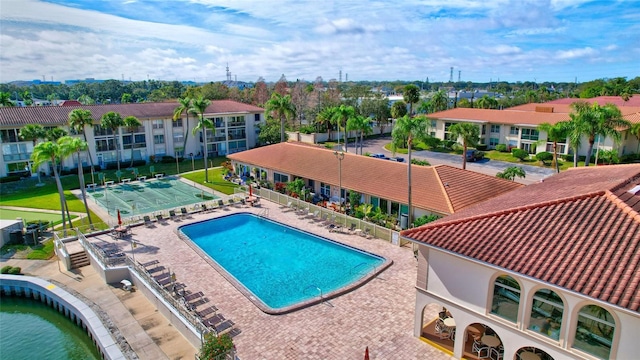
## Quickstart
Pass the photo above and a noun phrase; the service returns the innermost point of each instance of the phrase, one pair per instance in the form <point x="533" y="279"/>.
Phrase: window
<point x="256" y="117"/>
<point x="280" y="178"/>
<point x="12" y="152"/>
<point x="158" y="124"/>
<point x="506" y="298"/>
<point x="10" y="135"/>
<point x="18" y="167"/>
<point x="384" y="205"/>
<point x="374" y="201"/>
<point x="495" y="129"/>
<point x="530" y="134"/>
<point x="530" y="148"/>
<point x="560" y="148"/>
<point x="546" y="313"/>
<point x="325" y="189"/>
<point x="178" y="138"/>
<point x="514" y="131"/>
<point x="98" y="130"/>
<point x="177" y="123"/>
<point x="158" y="139"/>
<point x="484" y="129"/>
<point x="493" y="142"/>
<point x="594" y="333"/>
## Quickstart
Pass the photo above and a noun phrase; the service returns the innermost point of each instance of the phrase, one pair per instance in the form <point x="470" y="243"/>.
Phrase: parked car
<point x="474" y="155"/>
<point x="378" y="156"/>
<point x="397" y="158"/>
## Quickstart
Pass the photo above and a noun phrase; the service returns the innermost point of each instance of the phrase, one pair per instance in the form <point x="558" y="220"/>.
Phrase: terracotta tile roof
<point x="441" y="189"/>
<point x="58" y="115"/>
<point x="511" y="117"/>
<point x="633" y="101"/>
<point x="579" y="230"/>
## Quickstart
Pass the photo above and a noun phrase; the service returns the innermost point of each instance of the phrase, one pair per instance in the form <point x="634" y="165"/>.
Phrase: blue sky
<point x="512" y="40"/>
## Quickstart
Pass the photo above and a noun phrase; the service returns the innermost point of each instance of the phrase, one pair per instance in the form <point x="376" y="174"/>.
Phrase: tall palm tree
<point x="440" y="101"/>
<point x="50" y="152"/>
<point x="470" y="135"/>
<point x="340" y="117"/>
<point x="69" y="146"/>
<point x="33" y="132"/>
<point x="54" y="134"/>
<point x="79" y="119"/>
<point x="112" y="120"/>
<point x="280" y="107"/>
<point x="599" y="121"/>
<point x="362" y="125"/>
<point x="323" y="119"/>
<point x="185" y="105"/>
<point x="555" y="133"/>
<point x="199" y="106"/>
<point x="5" y="99"/>
<point x="409" y="129"/>
<point x="411" y="95"/>
<point x="131" y="122"/>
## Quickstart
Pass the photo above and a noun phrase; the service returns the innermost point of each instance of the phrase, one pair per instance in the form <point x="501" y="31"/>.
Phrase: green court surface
<point x="31" y="215"/>
<point x="141" y="197"/>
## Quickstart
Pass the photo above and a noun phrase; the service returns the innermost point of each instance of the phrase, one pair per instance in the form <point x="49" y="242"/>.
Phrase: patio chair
<point x="206" y="312"/>
<point x="352" y="228"/>
<point x="496" y="354"/>
<point x="213" y="320"/>
<point x="483" y="351"/>
<point x="314" y="216"/>
<point x="323" y="219"/>
<point x="231" y="201"/>
<point x="160" y="218"/>
<point x="184" y="213"/>
<point x="220" y="203"/>
<point x="147" y="221"/>
<point x="224" y="327"/>
<point x="172" y="215"/>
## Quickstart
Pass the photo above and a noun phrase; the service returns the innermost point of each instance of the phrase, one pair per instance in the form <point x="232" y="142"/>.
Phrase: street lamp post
<point x="340" y="157"/>
<point x="177" y="166"/>
<point x="192" y="164"/>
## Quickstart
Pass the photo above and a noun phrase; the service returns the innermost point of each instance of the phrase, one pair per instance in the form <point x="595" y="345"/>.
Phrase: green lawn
<point x="216" y="180"/>
<point x="8" y="214"/>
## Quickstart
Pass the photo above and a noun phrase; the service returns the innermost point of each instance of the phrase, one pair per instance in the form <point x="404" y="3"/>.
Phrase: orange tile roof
<point x="58" y="115"/>
<point x="579" y="230"/>
<point x="511" y="117"/>
<point x="441" y="189"/>
<point x="617" y="100"/>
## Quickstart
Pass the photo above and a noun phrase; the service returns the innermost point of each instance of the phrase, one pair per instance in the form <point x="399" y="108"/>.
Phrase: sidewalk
<point x="135" y="322"/>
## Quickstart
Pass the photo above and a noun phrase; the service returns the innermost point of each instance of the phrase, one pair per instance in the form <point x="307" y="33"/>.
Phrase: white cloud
<point x="576" y="53"/>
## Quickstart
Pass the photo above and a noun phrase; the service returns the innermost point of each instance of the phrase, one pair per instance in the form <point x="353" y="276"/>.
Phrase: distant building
<point x="235" y="129"/>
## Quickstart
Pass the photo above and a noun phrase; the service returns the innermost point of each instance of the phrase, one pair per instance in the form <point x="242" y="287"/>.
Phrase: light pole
<point x="177" y="166"/>
<point x="340" y="157"/>
<point x="192" y="164"/>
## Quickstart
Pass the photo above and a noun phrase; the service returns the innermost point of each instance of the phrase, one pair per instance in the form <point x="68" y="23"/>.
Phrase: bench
<point x="159" y="176"/>
<point x="91" y="186"/>
<point x="126" y="285"/>
<point x="126" y="180"/>
<point x="107" y="183"/>
<point x="142" y="178"/>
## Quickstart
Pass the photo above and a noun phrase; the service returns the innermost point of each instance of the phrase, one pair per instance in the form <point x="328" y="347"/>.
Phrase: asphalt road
<point x="490" y="167"/>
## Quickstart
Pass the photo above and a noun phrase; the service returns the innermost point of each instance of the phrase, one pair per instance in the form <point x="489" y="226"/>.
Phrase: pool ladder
<point x="313" y="287"/>
<point x="264" y="213"/>
<point x="353" y="269"/>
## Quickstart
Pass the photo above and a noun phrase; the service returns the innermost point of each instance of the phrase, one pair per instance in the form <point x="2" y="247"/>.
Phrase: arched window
<point x="546" y="313"/>
<point x="506" y="298"/>
<point x="594" y="333"/>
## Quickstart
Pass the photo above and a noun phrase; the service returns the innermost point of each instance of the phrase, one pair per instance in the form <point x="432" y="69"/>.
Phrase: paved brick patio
<point x="378" y="315"/>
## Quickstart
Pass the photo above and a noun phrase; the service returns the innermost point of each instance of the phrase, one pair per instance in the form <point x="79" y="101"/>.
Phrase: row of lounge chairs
<point x="177" y="215"/>
<point x="195" y="302"/>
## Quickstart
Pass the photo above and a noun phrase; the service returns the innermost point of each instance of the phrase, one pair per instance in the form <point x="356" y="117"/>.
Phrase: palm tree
<point x="53" y="134"/>
<point x="199" y="106"/>
<point x="362" y="125"/>
<point x="599" y="121"/>
<point x="185" y="105"/>
<point x="511" y="172"/>
<point x="27" y="98"/>
<point x="411" y="95"/>
<point x="283" y="109"/>
<point x="5" y="99"/>
<point x="486" y="102"/>
<point x="323" y="119"/>
<point x="440" y="101"/>
<point x="72" y="145"/>
<point x="78" y="120"/>
<point x="131" y="122"/>
<point x="555" y="133"/>
<point x="340" y="117"/>
<point x="50" y="152"/>
<point x="112" y="120"/>
<point x="409" y="129"/>
<point x="33" y="132"/>
<point x="470" y="135"/>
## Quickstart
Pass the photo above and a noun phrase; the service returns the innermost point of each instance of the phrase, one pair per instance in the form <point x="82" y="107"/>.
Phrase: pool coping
<point x="291" y="308"/>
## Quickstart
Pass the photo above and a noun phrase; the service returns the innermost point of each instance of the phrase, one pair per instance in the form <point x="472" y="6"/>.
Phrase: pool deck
<point x="378" y="315"/>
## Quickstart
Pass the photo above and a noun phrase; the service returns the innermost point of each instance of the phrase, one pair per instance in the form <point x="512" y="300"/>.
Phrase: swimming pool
<point x="141" y="197"/>
<point x="280" y="268"/>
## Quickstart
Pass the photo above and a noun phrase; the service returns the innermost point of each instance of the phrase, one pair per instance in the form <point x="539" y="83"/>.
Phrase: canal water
<point x="31" y="329"/>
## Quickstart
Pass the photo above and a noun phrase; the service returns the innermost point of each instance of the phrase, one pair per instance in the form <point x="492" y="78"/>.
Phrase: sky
<point x="194" y="40"/>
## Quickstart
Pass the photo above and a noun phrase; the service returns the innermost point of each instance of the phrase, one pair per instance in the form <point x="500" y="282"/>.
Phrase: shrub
<point x="449" y="144"/>
<point x="15" y="270"/>
<point x="544" y="157"/>
<point x="10" y="178"/>
<point x="501" y="147"/>
<point x="308" y="129"/>
<point x="425" y="219"/>
<point x="420" y="162"/>
<point x="519" y="154"/>
<point x="214" y="347"/>
<point x="5" y="269"/>
<point x="481" y="147"/>
<point x="433" y="142"/>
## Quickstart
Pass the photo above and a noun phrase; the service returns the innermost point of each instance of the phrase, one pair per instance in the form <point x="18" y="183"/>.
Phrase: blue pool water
<point x="280" y="265"/>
